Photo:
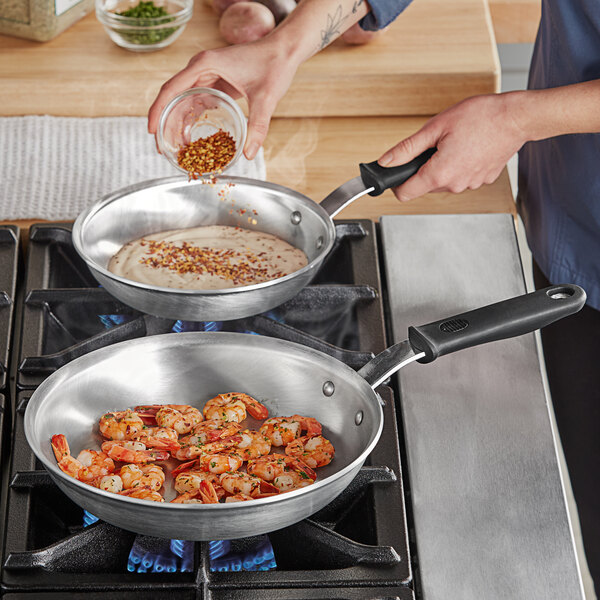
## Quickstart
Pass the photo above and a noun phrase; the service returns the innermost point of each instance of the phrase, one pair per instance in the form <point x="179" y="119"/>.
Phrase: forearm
<point x="314" y="24"/>
<point x="542" y="114"/>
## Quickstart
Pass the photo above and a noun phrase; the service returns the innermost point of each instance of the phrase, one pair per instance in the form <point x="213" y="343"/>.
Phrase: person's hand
<point x="474" y="140"/>
<point x="259" y="71"/>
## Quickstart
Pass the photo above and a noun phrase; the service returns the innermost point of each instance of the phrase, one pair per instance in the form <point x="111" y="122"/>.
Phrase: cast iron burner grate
<point x="62" y="303"/>
<point x="356" y="547"/>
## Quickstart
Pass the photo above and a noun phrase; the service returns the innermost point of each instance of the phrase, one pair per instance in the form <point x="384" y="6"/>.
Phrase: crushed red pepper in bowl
<point x="202" y="132"/>
<point x="208" y="154"/>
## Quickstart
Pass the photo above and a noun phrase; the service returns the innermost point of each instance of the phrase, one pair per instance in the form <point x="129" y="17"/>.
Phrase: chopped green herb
<point x="149" y="15"/>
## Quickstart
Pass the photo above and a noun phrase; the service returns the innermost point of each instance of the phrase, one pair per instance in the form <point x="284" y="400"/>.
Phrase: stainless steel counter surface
<point x="489" y="509"/>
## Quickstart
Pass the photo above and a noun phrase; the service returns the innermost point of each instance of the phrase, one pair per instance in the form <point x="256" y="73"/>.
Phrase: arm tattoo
<point x="357" y="3"/>
<point x="334" y="22"/>
<point x="333" y="27"/>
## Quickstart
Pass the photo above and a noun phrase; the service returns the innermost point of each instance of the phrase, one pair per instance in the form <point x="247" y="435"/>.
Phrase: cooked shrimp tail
<point x="208" y="493"/>
<point x="267" y="489"/>
<point x="301" y="467"/>
<point x="257" y="409"/>
<point x="186" y="466"/>
<point x="62" y="452"/>
<point x="309" y="424"/>
<point x="162" y="444"/>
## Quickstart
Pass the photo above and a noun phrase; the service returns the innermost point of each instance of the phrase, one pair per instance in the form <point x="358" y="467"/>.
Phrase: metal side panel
<point x="489" y="510"/>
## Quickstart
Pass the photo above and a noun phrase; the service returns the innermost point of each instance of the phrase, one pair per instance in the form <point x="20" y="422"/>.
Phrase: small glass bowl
<point x="144" y="34"/>
<point x="198" y="113"/>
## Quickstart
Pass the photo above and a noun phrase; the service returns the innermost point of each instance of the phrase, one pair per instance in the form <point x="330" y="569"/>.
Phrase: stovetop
<point x="356" y="547"/>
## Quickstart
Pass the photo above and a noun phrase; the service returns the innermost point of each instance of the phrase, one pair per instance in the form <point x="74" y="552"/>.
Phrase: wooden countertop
<point x="432" y="56"/>
<point x="435" y="54"/>
<point x="314" y="156"/>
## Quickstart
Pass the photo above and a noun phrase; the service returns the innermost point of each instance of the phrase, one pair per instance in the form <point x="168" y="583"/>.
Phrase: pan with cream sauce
<point x="206" y="258"/>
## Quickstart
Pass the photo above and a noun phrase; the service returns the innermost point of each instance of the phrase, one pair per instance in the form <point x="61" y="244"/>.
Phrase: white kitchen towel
<point x="54" y="167"/>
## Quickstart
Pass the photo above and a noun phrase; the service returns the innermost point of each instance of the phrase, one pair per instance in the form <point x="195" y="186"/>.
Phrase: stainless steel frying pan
<point x="175" y="203"/>
<point x="190" y="368"/>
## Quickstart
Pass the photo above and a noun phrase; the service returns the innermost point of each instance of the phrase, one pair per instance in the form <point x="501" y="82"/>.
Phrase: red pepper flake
<point x="236" y="266"/>
<point x="207" y="155"/>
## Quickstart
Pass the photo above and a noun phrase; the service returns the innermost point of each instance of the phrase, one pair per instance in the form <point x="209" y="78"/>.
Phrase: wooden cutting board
<point x="436" y="53"/>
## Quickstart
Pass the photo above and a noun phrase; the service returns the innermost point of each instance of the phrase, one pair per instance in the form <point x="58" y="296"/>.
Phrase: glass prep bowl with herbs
<point x="144" y="25"/>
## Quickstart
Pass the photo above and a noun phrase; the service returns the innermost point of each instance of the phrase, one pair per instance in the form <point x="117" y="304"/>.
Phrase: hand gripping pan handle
<point x="382" y="178"/>
<point x="373" y="180"/>
<point x="506" y="319"/>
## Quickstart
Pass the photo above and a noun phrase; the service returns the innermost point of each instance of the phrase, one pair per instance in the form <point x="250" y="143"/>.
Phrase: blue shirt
<point x="559" y="178"/>
<point x="383" y="12"/>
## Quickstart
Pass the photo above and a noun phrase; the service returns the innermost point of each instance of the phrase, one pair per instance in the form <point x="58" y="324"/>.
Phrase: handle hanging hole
<point x="560" y="293"/>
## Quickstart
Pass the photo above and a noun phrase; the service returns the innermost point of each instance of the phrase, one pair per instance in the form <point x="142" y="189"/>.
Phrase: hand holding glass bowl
<point x="196" y="115"/>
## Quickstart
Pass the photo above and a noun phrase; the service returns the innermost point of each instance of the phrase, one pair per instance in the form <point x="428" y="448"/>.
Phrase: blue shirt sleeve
<point x="383" y="12"/>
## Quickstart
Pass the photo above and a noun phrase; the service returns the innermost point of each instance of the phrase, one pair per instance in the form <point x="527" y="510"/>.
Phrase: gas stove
<point x="356" y="547"/>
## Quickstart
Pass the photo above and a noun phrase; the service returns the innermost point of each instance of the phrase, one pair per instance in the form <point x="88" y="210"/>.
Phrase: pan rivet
<point x="358" y="417"/>
<point x="328" y="388"/>
<point x="319" y="243"/>
<point x="296" y="217"/>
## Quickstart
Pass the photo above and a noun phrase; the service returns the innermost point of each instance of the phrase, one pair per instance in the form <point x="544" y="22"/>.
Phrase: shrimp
<point x="233" y="407"/>
<point x="120" y="425"/>
<point x="209" y="431"/>
<point x="140" y="476"/>
<point x="314" y="450"/>
<point x="89" y="466"/>
<point x="162" y="438"/>
<point x="187" y="452"/>
<point x="128" y="425"/>
<point x="111" y="483"/>
<point x="242" y="483"/>
<point x="253" y="444"/>
<point x="205" y="494"/>
<point x="188" y="498"/>
<point x="269" y="467"/>
<point x="308" y="424"/>
<point x="188" y="481"/>
<point x="132" y="452"/>
<point x="291" y="480"/>
<point x="239" y="498"/>
<point x="218" y="463"/>
<point x="143" y="493"/>
<point x="282" y="430"/>
<point x="180" y="417"/>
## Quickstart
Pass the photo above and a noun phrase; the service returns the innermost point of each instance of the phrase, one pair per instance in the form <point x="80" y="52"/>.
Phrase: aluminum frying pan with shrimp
<point x="190" y="368"/>
<point x="176" y="203"/>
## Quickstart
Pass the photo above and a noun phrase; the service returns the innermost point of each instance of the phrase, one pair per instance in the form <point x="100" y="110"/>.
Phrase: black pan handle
<point x="383" y="178"/>
<point x="499" y="321"/>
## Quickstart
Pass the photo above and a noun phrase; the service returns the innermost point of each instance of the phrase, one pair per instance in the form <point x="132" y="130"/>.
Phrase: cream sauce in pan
<point x="206" y="258"/>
